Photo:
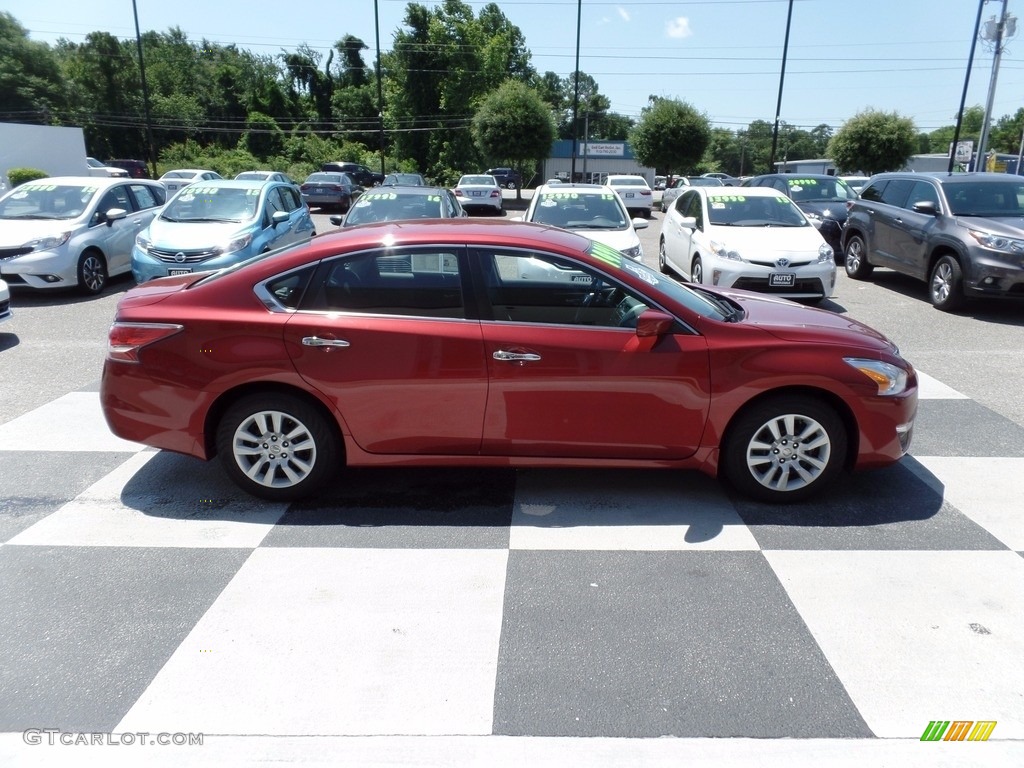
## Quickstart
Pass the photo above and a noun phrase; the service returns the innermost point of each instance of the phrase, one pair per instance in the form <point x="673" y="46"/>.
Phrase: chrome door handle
<point x="316" y="341"/>
<point x="504" y="354"/>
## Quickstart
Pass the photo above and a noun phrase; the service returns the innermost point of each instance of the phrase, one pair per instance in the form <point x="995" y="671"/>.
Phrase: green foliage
<point x="873" y="141"/>
<point x="20" y="175"/>
<point x="671" y="136"/>
<point x="514" y="125"/>
<point x="263" y="137"/>
<point x="30" y="82"/>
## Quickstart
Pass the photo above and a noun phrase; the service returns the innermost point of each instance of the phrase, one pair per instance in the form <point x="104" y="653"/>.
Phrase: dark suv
<point x="137" y="169"/>
<point x="506" y="177"/>
<point x="962" y="233"/>
<point x="362" y="175"/>
<point x="821" y="197"/>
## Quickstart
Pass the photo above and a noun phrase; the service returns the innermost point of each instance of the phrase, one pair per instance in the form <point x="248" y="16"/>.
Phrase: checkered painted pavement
<point x="493" y="617"/>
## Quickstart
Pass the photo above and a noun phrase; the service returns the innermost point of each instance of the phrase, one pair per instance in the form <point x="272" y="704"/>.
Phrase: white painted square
<point x="989" y="490"/>
<point x="161" y="516"/>
<point x="625" y="510"/>
<point x="933" y="389"/>
<point x="917" y="636"/>
<point x="342" y="642"/>
<point x="73" y="422"/>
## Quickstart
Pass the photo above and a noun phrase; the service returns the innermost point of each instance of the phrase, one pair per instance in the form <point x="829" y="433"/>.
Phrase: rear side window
<point x="146" y="196"/>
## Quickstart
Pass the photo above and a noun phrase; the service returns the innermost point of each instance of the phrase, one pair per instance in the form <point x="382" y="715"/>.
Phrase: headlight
<point x="142" y="241"/>
<point x="997" y="242"/>
<point x="825" y="254"/>
<point x="722" y="251"/>
<point x="46" y="243"/>
<point x="891" y="379"/>
<point x="237" y="244"/>
<point x="636" y="252"/>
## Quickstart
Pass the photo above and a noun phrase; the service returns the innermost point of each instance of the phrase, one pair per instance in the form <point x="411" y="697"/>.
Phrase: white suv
<point x="635" y="193"/>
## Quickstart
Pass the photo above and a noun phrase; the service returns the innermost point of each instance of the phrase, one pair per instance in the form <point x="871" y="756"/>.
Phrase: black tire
<point x="510" y="185"/>
<point x="92" y="273"/>
<point x="763" y="456"/>
<point x="856" y="258"/>
<point x="256" y="443"/>
<point x="697" y="270"/>
<point x="663" y="266"/>
<point x="946" y="284"/>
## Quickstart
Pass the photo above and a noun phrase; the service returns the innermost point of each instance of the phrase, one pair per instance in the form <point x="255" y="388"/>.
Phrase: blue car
<point x="215" y="224"/>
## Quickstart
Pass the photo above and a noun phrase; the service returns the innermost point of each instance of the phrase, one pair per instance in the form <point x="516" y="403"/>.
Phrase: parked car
<point x="363" y="175"/>
<point x="264" y="176"/>
<point x="404" y="180"/>
<point x="660" y="182"/>
<point x="95" y="168"/>
<point x="400" y="204"/>
<point x="343" y="351"/>
<point x="182" y="177"/>
<point x="961" y="233"/>
<point x="506" y="177"/>
<point x="137" y="169"/>
<point x="217" y="224"/>
<point x="479" y="192"/>
<point x="330" y="190"/>
<point x="725" y="178"/>
<point x="755" y="239"/>
<point x="73" y="231"/>
<point x="592" y="210"/>
<point x="5" y="302"/>
<point x="669" y="195"/>
<point x="823" y="198"/>
<point x="635" y="193"/>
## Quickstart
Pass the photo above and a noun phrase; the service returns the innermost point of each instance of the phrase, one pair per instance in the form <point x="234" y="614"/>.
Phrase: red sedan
<point x="458" y="342"/>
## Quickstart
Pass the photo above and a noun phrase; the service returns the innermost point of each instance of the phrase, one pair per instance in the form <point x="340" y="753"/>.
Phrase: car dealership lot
<point x="458" y="604"/>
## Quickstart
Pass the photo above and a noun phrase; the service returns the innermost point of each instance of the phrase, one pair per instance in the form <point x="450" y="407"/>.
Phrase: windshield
<point x="740" y="210"/>
<point x="695" y="300"/>
<point x="573" y="210"/>
<point x="829" y="189"/>
<point x="390" y="206"/>
<point x="203" y="203"/>
<point x="991" y="199"/>
<point x="44" y="200"/>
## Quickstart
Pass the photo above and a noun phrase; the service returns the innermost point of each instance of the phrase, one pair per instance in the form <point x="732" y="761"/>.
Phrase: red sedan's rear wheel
<point x="277" y="446"/>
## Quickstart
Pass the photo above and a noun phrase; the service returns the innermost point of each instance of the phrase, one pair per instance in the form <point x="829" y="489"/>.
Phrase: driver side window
<point x="534" y="287"/>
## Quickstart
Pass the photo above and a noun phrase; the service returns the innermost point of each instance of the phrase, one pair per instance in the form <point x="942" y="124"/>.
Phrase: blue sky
<point x="722" y="56"/>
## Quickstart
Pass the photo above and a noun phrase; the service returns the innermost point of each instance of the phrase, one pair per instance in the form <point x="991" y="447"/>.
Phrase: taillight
<point x="645" y="191"/>
<point x="126" y="340"/>
<point x="496" y="193"/>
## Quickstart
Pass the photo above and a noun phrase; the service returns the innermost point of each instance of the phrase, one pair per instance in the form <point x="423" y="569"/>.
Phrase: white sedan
<point x="479" y="190"/>
<point x="753" y="238"/>
<point x="636" y="194"/>
<point x="182" y="177"/>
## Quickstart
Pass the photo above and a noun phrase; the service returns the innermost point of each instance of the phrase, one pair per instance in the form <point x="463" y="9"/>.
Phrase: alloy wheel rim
<point x="941" y="282"/>
<point x="788" y="452"/>
<point x="274" y="449"/>
<point x="92" y="273"/>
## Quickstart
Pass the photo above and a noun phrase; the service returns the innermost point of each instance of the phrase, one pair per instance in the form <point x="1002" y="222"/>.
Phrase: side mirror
<point x="278" y="217"/>
<point x="114" y="214"/>
<point x="337" y="220"/>
<point x="688" y="222"/>
<point x="654" y="322"/>
<point x="639" y="223"/>
<point x="927" y="207"/>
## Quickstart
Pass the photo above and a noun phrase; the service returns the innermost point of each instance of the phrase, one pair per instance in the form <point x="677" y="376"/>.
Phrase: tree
<point x="873" y="141"/>
<point x="670" y="136"/>
<point x="514" y="124"/>
<point x="29" y="75"/>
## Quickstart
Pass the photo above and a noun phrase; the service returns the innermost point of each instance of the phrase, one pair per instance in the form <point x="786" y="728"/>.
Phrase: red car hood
<point x="795" y="322"/>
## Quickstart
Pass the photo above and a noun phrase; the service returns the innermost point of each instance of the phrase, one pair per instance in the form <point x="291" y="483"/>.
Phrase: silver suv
<point x="961" y="233"/>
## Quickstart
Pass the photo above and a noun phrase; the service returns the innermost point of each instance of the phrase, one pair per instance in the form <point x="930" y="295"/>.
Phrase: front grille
<point x="190" y="257"/>
<point x="5" y="308"/>
<point x="760" y="285"/>
<point x="14" y="280"/>
<point x="771" y="263"/>
<point x="10" y="253"/>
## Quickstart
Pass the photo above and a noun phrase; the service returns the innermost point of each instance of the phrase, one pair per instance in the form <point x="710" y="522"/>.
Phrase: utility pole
<point x="995" y="32"/>
<point x="782" y="79"/>
<point x="963" y="96"/>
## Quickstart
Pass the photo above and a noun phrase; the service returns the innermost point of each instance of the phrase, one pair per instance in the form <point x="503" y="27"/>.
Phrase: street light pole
<point x="576" y="94"/>
<point x="150" y="146"/>
<point x="782" y="79"/>
<point x="967" y="79"/>
<point x="380" y="89"/>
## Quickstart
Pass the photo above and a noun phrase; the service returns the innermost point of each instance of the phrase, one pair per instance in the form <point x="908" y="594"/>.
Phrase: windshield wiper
<point x="732" y="314"/>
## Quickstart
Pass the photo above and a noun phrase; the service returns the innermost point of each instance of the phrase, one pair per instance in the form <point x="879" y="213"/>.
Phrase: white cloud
<point x="623" y="13"/>
<point x="678" y="27"/>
